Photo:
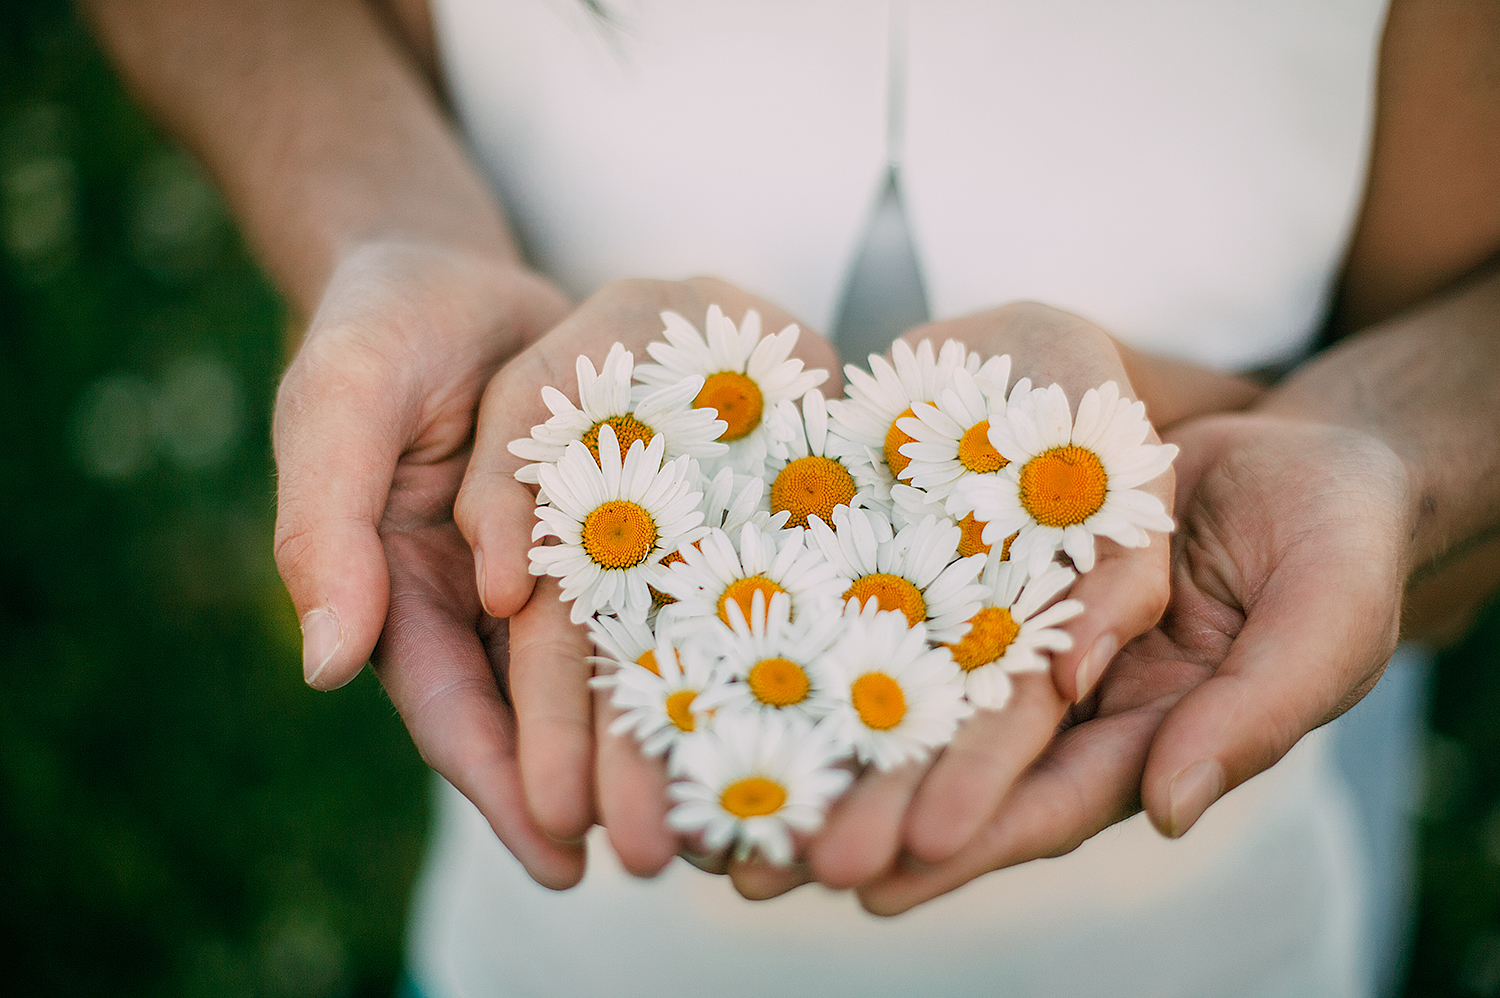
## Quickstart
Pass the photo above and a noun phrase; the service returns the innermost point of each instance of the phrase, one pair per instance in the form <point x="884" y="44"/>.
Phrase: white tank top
<point x="1185" y="173"/>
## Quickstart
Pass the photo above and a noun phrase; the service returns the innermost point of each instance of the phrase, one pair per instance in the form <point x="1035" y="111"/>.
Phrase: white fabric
<point x="1262" y="898"/>
<point x="1184" y="173"/>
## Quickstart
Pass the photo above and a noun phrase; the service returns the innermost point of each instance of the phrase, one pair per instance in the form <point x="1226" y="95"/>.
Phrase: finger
<point x="495" y="512"/>
<point x="758" y="880"/>
<point x="548" y="682"/>
<point x="862" y="834"/>
<point x="340" y="427"/>
<point x="1123" y="596"/>
<point x="1046" y="344"/>
<point x="1314" y="641"/>
<point x="1087" y="779"/>
<point x="977" y="768"/>
<point x="435" y="671"/>
<point x="632" y="792"/>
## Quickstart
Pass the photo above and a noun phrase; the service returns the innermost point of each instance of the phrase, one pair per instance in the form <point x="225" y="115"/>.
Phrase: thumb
<point x="1313" y="643"/>
<point x="337" y="435"/>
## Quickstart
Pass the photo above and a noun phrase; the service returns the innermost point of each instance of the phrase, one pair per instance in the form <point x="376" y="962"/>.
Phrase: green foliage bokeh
<point x="181" y="815"/>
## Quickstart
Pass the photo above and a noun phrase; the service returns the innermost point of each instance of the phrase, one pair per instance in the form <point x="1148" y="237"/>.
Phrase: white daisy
<point x="1068" y="480"/>
<point x="1011" y="632"/>
<point x="732" y="499"/>
<point x="660" y="706"/>
<point x="606" y="399"/>
<point x="899" y="699"/>
<point x="950" y="436"/>
<point x="753" y="779"/>
<point x="950" y="439"/>
<point x="913" y="570"/>
<point x="912" y="505"/>
<point x="623" y="641"/>
<point x="877" y="400"/>
<point x="615" y="522"/>
<point x="716" y="571"/>
<point x="775" y="660"/>
<point x="742" y="376"/>
<point x="816" y="474"/>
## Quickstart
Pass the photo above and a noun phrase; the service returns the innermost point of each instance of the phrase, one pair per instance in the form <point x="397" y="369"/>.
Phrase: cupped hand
<point x="1287" y="575"/>
<point x="372" y="431"/>
<point x="565" y="750"/>
<point x="933" y="811"/>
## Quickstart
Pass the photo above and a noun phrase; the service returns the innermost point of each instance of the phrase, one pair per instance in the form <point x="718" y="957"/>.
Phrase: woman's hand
<point x="572" y="770"/>
<point x="1287" y="573"/>
<point x="372" y="432"/>
<point x="933" y="811"/>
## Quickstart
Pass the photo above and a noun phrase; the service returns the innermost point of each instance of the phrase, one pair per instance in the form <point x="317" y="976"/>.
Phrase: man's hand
<point x="1287" y="573"/>
<point x="372" y="431"/>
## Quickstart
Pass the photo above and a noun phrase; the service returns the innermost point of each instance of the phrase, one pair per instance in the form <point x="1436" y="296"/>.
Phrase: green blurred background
<point x="179" y="815"/>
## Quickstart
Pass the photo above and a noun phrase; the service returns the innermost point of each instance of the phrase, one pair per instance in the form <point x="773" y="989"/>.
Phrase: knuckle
<point x="468" y="508"/>
<point x="1155" y="593"/>
<point x="292" y="544"/>
<point x="712" y="286"/>
<point x="625" y="290"/>
<point x="339" y="367"/>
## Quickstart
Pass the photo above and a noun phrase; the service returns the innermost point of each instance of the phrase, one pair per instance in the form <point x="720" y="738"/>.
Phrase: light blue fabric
<point x="1377" y="746"/>
<point x="884" y="294"/>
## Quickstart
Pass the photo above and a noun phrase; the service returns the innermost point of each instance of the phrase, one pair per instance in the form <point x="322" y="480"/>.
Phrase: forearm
<point x="321" y="132"/>
<point x="1427" y="384"/>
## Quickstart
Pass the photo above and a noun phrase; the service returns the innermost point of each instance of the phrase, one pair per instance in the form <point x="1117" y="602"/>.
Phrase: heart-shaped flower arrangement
<point x="784" y="588"/>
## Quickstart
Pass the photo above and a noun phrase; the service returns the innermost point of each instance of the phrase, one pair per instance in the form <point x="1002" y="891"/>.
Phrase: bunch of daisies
<point x="783" y="589"/>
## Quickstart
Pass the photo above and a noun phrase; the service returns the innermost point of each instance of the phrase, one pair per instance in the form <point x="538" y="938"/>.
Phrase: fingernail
<point x="479" y="579"/>
<point x="1190" y="793"/>
<point x="1094" y="661"/>
<point x="321" y="638"/>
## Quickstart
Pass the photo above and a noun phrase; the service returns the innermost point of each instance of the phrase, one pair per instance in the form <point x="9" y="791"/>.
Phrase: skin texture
<point x="323" y="126"/>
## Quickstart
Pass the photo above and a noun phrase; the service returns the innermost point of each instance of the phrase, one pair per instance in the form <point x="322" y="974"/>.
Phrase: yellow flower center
<point x="742" y="591"/>
<point x="895" y="439"/>
<point x="1063" y="486"/>
<point x="991" y="631"/>
<point x="892" y="592"/>
<point x="779" y="682"/>
<point x="647" y="661"/>
<point x="811" y="486"/>
<point x="680" y="709"/>
<point x="975" y="451"/>
<point x="878" y="700"/>
<point x="627" y="429"/>
<point x="753" y="797"/>
<point x="736" y="398"/>
<point x="971" y="537"/>
<point x="619" y="534"/>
